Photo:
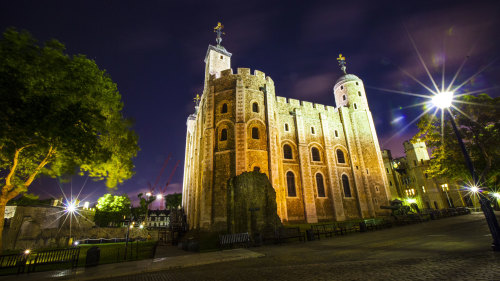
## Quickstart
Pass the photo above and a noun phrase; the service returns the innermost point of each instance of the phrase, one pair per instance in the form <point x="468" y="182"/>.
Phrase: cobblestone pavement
<point x="456" y="248"/>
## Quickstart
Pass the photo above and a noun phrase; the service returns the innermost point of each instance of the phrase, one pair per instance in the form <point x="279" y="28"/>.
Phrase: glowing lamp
<point x="474" y="189"/>
<point x="27" y="251"/>
<point x="442" y="99"/>
<point x="76" y="243"/>
<point x="148" y="194"/>
<point x="141" y="226"/>
<point x="496" y="195"/>
<point x="71" y="207"/>
<point x="159" y="196"/>
<point x="411" y="200"/>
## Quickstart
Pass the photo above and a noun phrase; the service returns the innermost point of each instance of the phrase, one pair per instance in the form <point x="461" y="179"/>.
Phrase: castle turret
<point x="217" y="58"/>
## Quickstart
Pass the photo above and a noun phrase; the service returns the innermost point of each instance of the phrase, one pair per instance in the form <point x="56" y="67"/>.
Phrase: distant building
<point x="409" y="182"/>
<point x="157" y="218"/>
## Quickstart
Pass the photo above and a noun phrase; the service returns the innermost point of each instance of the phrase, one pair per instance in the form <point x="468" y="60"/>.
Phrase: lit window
<point x="290" y="182"/>
<point x="315" y="154"/>
<point x="287" y="152"/>
<point x="255" y="133"/>
<point x="320" y="185"/>
<point x="423" y="189"/>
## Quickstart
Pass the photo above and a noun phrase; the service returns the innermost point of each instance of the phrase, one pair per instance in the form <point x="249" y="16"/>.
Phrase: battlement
<point x="305" y="104"/>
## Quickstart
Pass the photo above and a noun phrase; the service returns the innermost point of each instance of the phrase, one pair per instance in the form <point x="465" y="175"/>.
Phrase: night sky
<point x="154" y="51"/>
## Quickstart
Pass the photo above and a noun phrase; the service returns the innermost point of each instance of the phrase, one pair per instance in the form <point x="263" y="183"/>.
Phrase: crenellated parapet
<point x="292" y="104"/>
<point x="227" y="79"/>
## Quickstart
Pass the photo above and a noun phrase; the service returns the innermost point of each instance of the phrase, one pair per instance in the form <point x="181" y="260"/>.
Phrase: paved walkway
<point x="456" y="248"/>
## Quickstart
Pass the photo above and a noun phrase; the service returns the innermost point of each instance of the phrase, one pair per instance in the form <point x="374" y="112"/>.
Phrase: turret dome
<point x="347" y="78"/>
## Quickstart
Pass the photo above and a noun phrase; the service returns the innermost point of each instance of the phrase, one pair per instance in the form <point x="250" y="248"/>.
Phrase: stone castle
<point x="324" y="162"/>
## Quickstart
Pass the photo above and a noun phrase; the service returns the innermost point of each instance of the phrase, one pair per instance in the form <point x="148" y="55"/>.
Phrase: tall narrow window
<point x="290" y="182"/>
<point x="340" y="156"/>
<point x="255" y="133"/>
<point x="343" y="97"/>
<point x="287" y="152"/>
<point x="336" y="133"/>
<point x="355" y="106"/>
<point x="224" y="108"/>
<point x="312" y="130"/>
<point x="315" y="154"/>
<point x="223" y="135"/>
<point x="286" y="127"/>
<point x="255" y="107"/>
<point x="320" y="185"/>
<point x="345" y="184"/>
<point x="359" y="93"/>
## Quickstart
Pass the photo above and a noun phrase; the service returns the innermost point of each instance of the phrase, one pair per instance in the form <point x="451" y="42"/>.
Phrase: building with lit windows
<point x="409" y="182"/>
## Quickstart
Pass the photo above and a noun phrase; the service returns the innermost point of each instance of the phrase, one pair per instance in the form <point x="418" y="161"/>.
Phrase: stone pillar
<point x="305" y="171"/>
<point x="208" y="163"/>
<point x="240" y="132"/>
<point x="336" y="194"/>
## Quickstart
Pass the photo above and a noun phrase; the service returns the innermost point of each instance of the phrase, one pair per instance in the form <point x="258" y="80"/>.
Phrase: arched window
<point x="320" y="185"/>
<point x="343" y="97"/>
<point x="359" y="93"/>
<point x="223" y="135"/>
<point x="336" y="134"/>
<point x="290" y="182"/>
<point x="224" y="108"/>
<point x="312" y="130"/>
<point x="255" y="107"/>
<point x="315" y="154"/>
<point x="255" y="133"/>
<point x="345" y="184"/>
<point x="286" y="127"/>
<point x="287" y="152"/>
<point x="340" y="156"/>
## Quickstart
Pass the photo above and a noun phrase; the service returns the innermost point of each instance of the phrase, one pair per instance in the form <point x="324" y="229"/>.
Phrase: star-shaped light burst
<point x="438" y="98"/>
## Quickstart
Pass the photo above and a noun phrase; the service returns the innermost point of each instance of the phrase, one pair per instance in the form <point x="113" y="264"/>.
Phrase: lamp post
<point x="445" y="189"/>
<point x="443" y="101"/>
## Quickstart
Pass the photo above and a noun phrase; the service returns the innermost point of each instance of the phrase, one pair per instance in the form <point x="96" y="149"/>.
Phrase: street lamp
<point x="443" y="101"/>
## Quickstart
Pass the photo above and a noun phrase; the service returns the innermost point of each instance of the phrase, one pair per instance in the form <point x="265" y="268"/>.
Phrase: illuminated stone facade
<point x="409" y="182"/>
<point x="324" y="162"/>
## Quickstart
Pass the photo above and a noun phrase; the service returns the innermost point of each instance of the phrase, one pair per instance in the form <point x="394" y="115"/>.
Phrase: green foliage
<point x="478" y="119"/>
<point x="29" y="199"/>
<point x="111" y="209"/>
<point x="173" y="201"/>
<point x="60" y="114"/>
<point x="144" y="203"/>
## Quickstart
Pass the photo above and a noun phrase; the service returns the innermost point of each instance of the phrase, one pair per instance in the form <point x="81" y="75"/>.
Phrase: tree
<point x="144" y="205"/>
<point x="173" y="201"/>
<point x="478" y="119"/>
<point x="111" y="208"/>
<point x="60" y="114"/>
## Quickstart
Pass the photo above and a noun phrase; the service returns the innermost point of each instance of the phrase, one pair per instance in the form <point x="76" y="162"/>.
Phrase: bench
<point x="347" y="227"/>
<point x="13" y="261"/>
<point x="56" y="256"/>
<point x="232" y="240"/>
<point x="374" y="224"/>
<point x="325" y="229"/>
<point x="285" y="233"/>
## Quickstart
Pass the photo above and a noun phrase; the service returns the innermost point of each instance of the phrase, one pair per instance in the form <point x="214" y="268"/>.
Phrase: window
<point x="336" y="134"/>
<point x="224" y="108"/>
<point x="221" y="57"/>
<point x="255" y="107"/>
<point x="367" y="172"/>
<point x="255" y="133"/>
<point x="286" y="127"/>
<point x="423" y="189"/>
<point x="256" y="169"/>
<point x="415" y="162"/>
<point x="290" y="182"/>
<point x="387" y="170"/>
<point x="315" y="154"/>
<point x="223" y="135"/>
<point x="359" y="93"/>
<point x="341" y="87"/>
<point x="312" y="130"/>
<point x="345" y="184"/>
<point x="343" y="97"/>
<point x="422" y="161"/>
<point x="355" y="106"/>
<point x="287" y="152"/>
<point x="340" y="156"/>
<point x="320" y="185"/>
<point x="390" y="183"/>
<point x="357" y="84"/>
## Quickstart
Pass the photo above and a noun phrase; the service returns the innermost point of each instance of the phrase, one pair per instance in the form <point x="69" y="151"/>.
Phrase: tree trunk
<point x="2" y="220"/>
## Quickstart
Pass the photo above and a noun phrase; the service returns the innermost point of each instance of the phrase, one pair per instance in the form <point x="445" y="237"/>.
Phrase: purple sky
<point x="154" y="51"/>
